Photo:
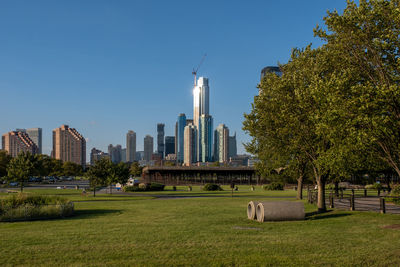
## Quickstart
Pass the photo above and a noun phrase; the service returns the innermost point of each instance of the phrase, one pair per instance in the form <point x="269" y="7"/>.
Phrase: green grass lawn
<point x="139" y="229"/>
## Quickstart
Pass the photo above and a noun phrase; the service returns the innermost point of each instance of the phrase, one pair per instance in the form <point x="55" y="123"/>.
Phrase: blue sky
<point x="106" y="67"/>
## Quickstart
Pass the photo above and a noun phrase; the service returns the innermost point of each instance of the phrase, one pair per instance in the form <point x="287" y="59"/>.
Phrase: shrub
<point x="375" y="186"/>
<point x="395" y="193"/>
<point x="212" y="187"/>
<point x="144" y="187"/>
<point x="273" y="186"/>
<point x="22" y="207"/>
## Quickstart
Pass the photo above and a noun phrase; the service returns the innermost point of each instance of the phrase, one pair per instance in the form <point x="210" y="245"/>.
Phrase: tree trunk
<point x="321" y="194"/>
<point x="94" y="191"/>
<point x="22" y="186"/>
<point x="300" y="187"/>
<point x="337" y="188"/>
<point x="110" y="189"/>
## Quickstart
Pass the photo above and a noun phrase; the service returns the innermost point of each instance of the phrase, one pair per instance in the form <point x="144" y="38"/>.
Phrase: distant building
<point x="205" y="133"/>
<point x="180" y="129"/>
<point x="170" y="157"/>
<point x="221" y="144"/>
<point x="123" y="155"/>
<point x="270" y="69"/>
<point x="160" y="139"/>
<point x="115" y="153"/>
<point x="169" y="145"/>
<point x="190" y="139"/>
<point x="35" y="134"/>
<point x="130" y="146"/>
<point x="232" y="146"/>
<point x="139" y="155"/>
<point x="239" y="160"/>
<point x="16" y="142"/>
<point x="148" y="147"/>
<point x="201" y="100"/>
<point x="96" y="155"/>
<point x="69" y="145"/>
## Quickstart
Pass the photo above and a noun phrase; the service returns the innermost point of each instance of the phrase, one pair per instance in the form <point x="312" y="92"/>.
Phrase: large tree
<point x="21" y="168"/>
<point x="118" y="173"/>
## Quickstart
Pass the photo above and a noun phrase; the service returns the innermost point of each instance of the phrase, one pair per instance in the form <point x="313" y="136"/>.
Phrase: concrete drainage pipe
<point x="251" y="210"/>
<point x="280" y="211"/>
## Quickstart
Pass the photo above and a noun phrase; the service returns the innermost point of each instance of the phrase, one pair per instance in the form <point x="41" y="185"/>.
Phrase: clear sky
<point x="105" y="67"/>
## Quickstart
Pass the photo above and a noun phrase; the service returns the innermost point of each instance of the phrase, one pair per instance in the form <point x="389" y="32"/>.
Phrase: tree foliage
<point x="21" y="168"/>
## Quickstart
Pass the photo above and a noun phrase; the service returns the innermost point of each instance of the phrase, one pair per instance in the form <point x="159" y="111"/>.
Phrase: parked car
<point x="14" y="184"/>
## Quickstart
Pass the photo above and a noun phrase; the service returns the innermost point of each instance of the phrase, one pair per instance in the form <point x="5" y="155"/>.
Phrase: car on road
<point x="13" y="183"/>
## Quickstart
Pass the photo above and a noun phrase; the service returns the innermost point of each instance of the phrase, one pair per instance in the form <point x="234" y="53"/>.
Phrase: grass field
<point x="140" y="229"/>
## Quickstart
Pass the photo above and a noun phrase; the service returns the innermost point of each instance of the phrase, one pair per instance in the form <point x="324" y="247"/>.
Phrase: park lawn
<point x="132" y="231"/>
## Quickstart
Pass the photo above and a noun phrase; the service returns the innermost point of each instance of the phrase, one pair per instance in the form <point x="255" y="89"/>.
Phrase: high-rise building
<point x="190" y="139"/>
<point x="115" y="153"/>
<point x="169" y="145"/>
<point x="69" y="145"/>
<point x="16" y="142"/>
<point x="130" y="146"/>
<point x="96" y="154"/>
<point x="221" y="144"/>
<point x="35" y="134"/>
<point x="181" y="124"/>
<point x="139" y="155"/>
<point x="148" y="148"/>
<point x="201" y="99"/>
<point x="232" y="146"/>
<point x="205" y="138"/>
<point x="160" y="139"/>
<point x="270" y="69"/>
<point x="123" y="155"/>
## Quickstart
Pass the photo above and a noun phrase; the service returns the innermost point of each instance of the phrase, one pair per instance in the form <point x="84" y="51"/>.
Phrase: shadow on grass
<point x="315" y="215"/>
<point x="89" y="213"/>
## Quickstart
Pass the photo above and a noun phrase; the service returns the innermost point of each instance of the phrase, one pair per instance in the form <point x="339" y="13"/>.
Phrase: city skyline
<point x="119" y="70"/>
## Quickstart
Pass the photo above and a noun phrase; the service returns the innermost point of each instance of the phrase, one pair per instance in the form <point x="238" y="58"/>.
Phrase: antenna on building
<point x="194" y="72"/>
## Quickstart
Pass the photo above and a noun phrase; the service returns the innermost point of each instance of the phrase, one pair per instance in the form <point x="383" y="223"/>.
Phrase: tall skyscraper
<point x="115" y="153"/>
<point x="221" y="144"/>
<point x="190" y="139"/>
<point x="205" y="138"/>
<point x="181" y="124"/>
<point x="69" y="145"/>
<point x="160" y="139"/>
<point x="169" y="145"/>
<point x="148" y="148"/>
<point x="130" y="146"/>
<point x="232" y="146"/>
<point x="16" y="142"/>
<point x="35" y="134"/>
<point x="201" y="97"/>
<point x="123" y="155"/>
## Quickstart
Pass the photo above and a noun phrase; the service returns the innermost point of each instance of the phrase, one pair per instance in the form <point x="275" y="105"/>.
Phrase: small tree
<point x="21" y="167"/>
<point x="4" y="161"/>
<point x="98" y="173"/>
<point x="118" y="173"/>
<point x="135" y="169"/>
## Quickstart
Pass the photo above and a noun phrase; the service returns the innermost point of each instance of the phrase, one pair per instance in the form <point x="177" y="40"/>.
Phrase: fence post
<point x="331" y="201"/>
<point x="352" y="202"/>
<point x="382" y="205"/>
<point x="379" y="192"/>
<point x="365" y="192"/>
<point x="341" y="193"/>
<point x="352" y="192"/>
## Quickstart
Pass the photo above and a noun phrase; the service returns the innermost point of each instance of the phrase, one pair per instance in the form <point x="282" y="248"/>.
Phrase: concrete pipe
<point x="280" y="211"/>
<point x="251" y="210"/>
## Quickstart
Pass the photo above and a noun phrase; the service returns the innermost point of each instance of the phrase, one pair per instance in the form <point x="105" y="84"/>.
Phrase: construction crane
<point x="194" y="72"/>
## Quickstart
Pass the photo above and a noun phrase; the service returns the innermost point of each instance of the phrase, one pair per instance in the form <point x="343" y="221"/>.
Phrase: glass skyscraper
<point x="180" y="131"/>
<point x="205" y="138"/>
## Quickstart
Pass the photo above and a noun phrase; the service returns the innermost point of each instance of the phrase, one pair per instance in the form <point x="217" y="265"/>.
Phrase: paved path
<point x="365" y="204"/>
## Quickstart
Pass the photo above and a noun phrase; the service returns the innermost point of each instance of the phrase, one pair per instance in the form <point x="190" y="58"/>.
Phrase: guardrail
<point x="312" y="196"/>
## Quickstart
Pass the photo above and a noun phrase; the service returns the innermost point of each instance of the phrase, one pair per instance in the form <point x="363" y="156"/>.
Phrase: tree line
<point x="102" y="173"/>
<point x="335" y="110"/>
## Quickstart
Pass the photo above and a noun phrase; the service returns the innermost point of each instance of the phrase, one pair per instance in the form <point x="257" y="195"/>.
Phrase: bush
<point x="375" y="186"/>
<point x="22" y="207"/>
<point x="144" y="187"/>
<point x="273" y="186"/>
<point x="395" y="193"/>
<point x="212" y="187"/>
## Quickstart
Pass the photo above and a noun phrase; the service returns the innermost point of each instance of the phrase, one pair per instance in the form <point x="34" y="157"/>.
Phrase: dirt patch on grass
<point x="392" y="226"/>
<point x="247" y="228"/>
